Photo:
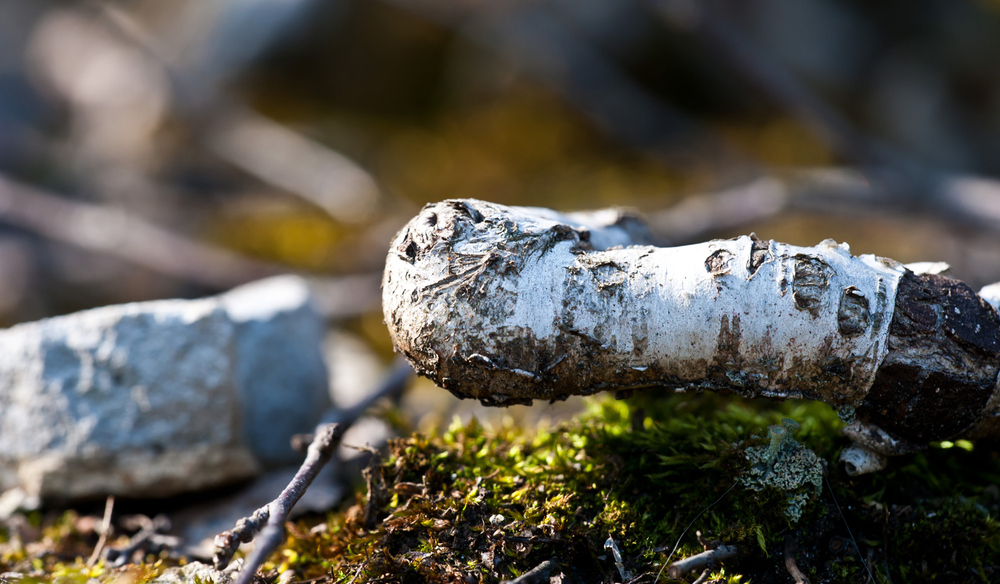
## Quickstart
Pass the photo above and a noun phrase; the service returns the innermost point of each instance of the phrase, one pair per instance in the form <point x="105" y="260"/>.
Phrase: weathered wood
<point x="507" y="305"/>
<point x="942" y="364"/>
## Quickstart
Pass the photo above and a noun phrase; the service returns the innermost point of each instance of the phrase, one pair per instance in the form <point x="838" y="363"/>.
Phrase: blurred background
<point x="153" y="149"/>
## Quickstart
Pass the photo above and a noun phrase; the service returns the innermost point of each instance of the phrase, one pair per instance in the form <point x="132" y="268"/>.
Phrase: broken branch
<point x="508" y="305"/>
<point x="790" y="565"/>
<point x="537" y="575"/>
<point x="706" y="559"/>
<point x="270" y="519"/>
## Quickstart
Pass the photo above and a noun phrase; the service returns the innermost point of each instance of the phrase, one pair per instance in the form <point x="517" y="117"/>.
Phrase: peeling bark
<point x="508" y="305"/>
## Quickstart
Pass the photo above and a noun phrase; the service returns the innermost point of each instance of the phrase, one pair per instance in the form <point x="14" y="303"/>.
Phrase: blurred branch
<point x="970" y="201"/>
<point x="346" y="296"/>
<point x="277" y="155"/>
<point x="114" y="232"/>
<point x="737" y="51"/>
<point x="534" y="38"/>
<point x="266" y="150"/>
<point x="696" y="216"/>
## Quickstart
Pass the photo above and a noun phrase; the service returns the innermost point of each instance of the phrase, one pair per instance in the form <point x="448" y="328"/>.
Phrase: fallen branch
<point x="790" y="565"/>
<point x="270" y="520"/>
<point x="508" y="305"/>
<point x="706" y="559"/>
<point x="109" y="505"/>
<point x="537" y="575"/>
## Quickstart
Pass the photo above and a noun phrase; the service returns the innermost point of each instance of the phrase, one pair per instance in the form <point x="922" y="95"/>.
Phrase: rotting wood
<point x="508" y="305"/>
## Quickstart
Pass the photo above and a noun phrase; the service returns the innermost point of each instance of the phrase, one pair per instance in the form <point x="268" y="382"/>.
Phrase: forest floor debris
<point x="490" y="504"/>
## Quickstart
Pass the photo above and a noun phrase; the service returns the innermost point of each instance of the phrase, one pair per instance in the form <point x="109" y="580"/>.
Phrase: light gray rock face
<point x="157" y="398"/>
<point x="280" y="373"/>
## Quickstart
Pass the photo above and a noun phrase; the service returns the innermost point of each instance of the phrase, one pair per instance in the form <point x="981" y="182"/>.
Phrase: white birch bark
<point x="509" y="304"/>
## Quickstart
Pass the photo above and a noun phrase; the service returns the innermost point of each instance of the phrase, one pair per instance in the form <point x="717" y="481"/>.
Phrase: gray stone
<point x="280" y="373"/>
<point x="194" y="573"/>
<point x="158" y="398"/>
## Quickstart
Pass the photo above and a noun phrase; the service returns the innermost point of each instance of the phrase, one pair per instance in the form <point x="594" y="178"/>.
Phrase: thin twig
<point x="704" y="576"/>
<point x="358" y="572"/>
<point x="149" y="535"/>
<point x="276" y="512"/>
<point x="679" y="538"/>
<point x="790" y="564"/>
<point x="109" y="506"/>
<point x="854" y="541"/>
<point x="269" y="520"/>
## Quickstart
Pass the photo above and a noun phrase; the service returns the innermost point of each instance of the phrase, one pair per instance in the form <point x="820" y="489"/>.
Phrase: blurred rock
<point x="280" y="374"/>
<point x="354" y="368"/>
<point x="193" y="573"/>
<point x="158" y="398"/>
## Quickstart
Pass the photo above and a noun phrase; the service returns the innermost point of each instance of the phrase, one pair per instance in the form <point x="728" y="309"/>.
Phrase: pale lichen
<point x="785" y="465"/>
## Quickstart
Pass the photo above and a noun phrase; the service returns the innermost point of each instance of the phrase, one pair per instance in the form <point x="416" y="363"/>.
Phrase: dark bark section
<point x="941" y="368"/>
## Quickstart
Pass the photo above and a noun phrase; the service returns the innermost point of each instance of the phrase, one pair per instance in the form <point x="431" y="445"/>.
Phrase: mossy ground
<point x="484" y="504"/>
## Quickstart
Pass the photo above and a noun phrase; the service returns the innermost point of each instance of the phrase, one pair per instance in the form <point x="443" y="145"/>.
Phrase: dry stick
<point x="273" y="515"/>
<point x="790" y="564"/>
<point x="109" y="506"/>
<point x="705" y="559"/>
<point x="269" y="520"/>
<point x="537" y="575"/>
<point x="508" y="305"/>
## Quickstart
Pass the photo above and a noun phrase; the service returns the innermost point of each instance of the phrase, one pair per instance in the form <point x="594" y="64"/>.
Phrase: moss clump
<point x="786" y="465"/>
<point x="480" y="505"/>
<point x="54" y="547"/>
<point x="477" y="504"/>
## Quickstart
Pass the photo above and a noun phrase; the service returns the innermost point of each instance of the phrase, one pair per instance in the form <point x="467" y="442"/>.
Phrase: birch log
<point x="508" y="305"/>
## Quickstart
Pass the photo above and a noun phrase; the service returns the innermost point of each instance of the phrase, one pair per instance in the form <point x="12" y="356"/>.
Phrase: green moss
<point x="488" y="504"/>
<point x="481" y="504"/>
<point x="54" y="548"/>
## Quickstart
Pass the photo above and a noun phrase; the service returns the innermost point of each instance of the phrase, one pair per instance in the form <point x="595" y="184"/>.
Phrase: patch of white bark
<point x="509" y="304"/>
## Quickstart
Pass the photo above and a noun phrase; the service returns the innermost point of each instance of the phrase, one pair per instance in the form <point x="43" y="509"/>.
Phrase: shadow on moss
<point x="476" y="504"/>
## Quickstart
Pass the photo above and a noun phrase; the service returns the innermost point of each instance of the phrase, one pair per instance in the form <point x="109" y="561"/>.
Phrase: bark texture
<point x="507" y="305"/>
<point x="941" y="369"/>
